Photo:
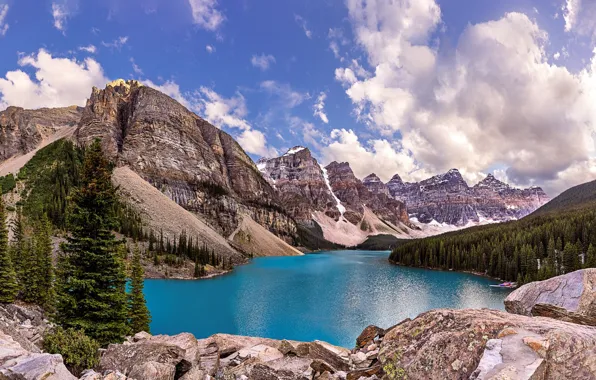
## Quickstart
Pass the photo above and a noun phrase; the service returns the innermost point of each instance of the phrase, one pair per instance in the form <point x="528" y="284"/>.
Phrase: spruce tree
<point x="570" y="258"/>
<point x="138" y="314"/>
<point x="8" y="279"/>
<point x="91" y="278"/>
<point x="590" y="257"/>
<point x="43" y="252"/>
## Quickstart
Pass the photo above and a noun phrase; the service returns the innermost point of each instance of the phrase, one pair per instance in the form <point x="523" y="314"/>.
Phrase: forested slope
<point x="558" y="238"/>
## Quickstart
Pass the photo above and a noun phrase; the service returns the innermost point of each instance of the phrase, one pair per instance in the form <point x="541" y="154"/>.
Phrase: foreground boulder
<point x="570" y="297"/>
<point x="488" y="344"/>
<point x="18" y="363"/>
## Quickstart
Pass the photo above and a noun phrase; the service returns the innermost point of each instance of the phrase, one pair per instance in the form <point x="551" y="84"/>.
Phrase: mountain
<point x="197" y="165"/>
<point x="447" y="199"/>
<point x="23" y="130"/>
<point x="332" y="198"/>
<point x="577" y="197"/>
<point x="558" y="238"/>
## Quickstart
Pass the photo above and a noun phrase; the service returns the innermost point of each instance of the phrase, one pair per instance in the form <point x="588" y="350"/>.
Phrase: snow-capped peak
<point x="294" y="150"/>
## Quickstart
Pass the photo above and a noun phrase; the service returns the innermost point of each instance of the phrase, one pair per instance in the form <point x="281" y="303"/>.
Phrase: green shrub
<point x="79" y="351"/>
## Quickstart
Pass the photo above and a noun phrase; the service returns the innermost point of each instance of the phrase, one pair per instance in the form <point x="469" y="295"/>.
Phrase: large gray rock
<point x="488" y="344"/>
<point x="145" y="360"/>
<point x="570" y="297"/>
<point x="19" y="364"/>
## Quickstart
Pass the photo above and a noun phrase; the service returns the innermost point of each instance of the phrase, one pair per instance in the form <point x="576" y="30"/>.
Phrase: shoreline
<point x="479" y="274"/>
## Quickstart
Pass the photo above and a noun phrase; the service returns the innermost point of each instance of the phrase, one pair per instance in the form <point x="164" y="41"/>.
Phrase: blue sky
<point x="408" y="87"/>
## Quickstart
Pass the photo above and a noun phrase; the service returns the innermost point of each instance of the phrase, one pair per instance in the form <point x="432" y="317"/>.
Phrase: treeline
<point x="86" y="292"/>
<point x="534" y="248"/>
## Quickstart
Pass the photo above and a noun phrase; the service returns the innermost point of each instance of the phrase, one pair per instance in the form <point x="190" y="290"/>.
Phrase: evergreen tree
<point x="43" y="252"/>
<point x="570" y="258"/>
<point x="138" y="314"/>
<point x="590" y="257"/>
<point x="91" y="278"/>
<point x="8" y="278"/>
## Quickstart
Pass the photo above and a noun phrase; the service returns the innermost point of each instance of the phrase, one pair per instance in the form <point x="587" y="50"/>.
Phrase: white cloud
<point x="495" y="100"/>
<point x="380" y="156"/>
<point x="137" y="70"/>
<point x="580" y="17"/>
<point x="304" y="25"/>
<point x="570" y="13"/>
<point x="57" y="82"/>
<point x="556" y="56"/>
<point x="206" y="15"/>
<point x="319" y="108"/>
<point x="210" y="49"/>
<point x="60" y="13"/>
<point x="254" y="142"/>
<point x="285" y="93"/>
<point x="262" y="61"/>
<point x="118" y="43"/>
<point x="220" y="111"/>
<point x="3" y="25"/>
<point x="89" y="49"/>
<point x="336" y="39"/>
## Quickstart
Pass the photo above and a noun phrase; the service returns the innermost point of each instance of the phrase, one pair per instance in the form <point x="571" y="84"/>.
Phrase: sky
<point x="408" y="87"/>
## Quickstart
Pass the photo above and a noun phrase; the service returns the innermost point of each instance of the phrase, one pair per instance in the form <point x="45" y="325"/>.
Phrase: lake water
<point x="329" y="296"/>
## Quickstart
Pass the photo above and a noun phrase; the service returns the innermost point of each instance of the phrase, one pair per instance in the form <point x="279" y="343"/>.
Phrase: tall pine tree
<point x="138" y="314"/>
<point x="43" y="252"/>
<point x="8" y="278"/>
<point x="91" y="277"/>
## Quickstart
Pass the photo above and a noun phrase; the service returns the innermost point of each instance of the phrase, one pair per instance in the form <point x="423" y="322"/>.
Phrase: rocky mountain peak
<point x="371" y="178"/>
<point x="298" y="149"/>
<point x="490" y="182"/>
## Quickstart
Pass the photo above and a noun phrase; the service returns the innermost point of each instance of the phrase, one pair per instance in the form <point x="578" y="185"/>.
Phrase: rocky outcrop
<point x="22" y="131"/>
<point x="356" y="196"/>
<point x="21" y="329"/>
<point x="570" y="297"/>
<point x="487" y="344"/>
<point x="196" y="164"/>
<point x="301" y="184"/>
<point x="447" y="198"/>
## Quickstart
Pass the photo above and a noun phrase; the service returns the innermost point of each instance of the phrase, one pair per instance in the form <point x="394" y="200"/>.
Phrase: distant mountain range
<point x="291" y="200"/>
<point x="349" y="209"/>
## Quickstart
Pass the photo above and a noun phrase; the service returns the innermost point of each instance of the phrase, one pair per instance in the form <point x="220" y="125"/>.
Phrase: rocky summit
<point x="447" y="198"/>
<point x="199" y="166"/>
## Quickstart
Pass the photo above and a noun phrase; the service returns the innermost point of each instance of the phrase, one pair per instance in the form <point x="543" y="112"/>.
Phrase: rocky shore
<point x="439" y="344"/>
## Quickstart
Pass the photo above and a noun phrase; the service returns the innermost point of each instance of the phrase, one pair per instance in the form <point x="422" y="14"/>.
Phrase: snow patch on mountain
<point x="340" y="207"/>
<point x="294" y="150"/>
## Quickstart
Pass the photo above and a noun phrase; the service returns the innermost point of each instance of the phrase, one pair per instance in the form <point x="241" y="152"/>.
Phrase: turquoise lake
<point x="329" y="296"/>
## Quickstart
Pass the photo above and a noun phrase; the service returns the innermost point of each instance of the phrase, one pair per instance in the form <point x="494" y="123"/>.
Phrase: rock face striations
<point x="23" y="130"/>
<point x="332" y="196"/>
<point x="300" y="181"/>
<point x="196" y="164"/>
<point x="447" y="198"/>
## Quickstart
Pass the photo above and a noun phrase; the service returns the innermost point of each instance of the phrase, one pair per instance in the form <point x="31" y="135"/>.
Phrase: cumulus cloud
<point x="304" y="25"/>
<point x="89" y="49"/>
<point x="254" y="142"/>
<point x="118" y="43"/>
<point x="378" y="155"/>
<point x="206" y="15"/>
<point x="3" y="24"/>
<point x="495" y="100"/>
<point x="319" y="108"/>
<point x="210" y="49"/>
<point x="262" y="61"/>
<point x="57" y="82"/>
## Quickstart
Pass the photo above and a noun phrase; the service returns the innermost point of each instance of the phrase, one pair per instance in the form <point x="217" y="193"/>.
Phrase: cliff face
<point x="300" y="182"/>
<point x="356" y="195"/>
<point x="447" y="198"/>
<point x="196" y="164"/>
<point x="21" y="130"/>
